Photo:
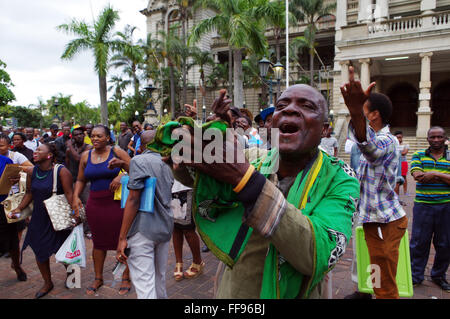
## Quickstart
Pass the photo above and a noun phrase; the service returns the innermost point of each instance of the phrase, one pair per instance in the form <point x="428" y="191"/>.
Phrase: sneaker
<point x="358" y="295"/>
<point x="441" y="282"/>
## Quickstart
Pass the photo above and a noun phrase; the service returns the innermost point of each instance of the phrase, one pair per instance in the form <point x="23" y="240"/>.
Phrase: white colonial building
<point x="402" y="45"/>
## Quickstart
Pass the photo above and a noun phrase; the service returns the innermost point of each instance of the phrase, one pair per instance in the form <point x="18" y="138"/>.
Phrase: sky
<point x="31" y="46"/>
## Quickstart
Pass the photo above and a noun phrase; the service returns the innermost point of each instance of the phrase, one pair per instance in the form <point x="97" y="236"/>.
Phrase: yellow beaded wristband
<point x="244" y="179"/>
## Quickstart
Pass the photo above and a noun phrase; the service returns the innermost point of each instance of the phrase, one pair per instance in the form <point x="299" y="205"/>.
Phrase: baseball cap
<point x="266" y="112"/>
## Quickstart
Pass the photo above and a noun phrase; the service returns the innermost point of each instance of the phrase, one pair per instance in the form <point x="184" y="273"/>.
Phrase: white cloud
<point x="31" y="46"/>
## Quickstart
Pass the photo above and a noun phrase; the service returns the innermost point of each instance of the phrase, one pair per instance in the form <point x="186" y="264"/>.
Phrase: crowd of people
<point x="291" y="225"/>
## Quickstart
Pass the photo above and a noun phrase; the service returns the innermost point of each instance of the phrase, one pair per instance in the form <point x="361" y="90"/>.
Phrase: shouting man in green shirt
<point x="279" y="232"/>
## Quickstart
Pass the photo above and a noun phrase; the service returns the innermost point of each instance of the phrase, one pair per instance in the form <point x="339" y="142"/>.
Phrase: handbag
<point x="59" y="209"/>
<point x="118" y="192"/>
<point x="14" y="200"/>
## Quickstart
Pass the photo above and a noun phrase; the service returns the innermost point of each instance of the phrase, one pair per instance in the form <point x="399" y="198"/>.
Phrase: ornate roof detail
<point x="158" y="6"/>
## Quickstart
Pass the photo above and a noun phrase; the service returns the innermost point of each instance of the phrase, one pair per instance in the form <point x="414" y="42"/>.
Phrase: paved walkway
<point x="199" y="288"/>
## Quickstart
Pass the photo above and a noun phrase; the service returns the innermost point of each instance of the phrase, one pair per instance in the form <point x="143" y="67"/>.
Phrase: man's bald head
<point x="147" y="137"/>
<point x="319" y="99"/>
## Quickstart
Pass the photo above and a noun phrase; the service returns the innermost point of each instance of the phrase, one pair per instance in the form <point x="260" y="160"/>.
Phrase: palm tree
<point x="129" y="55"/>
<point x="273" y="14"/>
<point x="236" y="24"/>
<point x="310" y="12"/>
<point x="118" y="86"/>
<point x="218" y="75"/>
<point x="95" y="37"/>
<point x="202" y="59"/>
<point x="171" y="47"/>
<point x="185" y="9"/>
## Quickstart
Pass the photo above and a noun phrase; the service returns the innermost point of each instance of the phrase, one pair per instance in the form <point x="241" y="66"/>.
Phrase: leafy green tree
<point x="61" y="106"/>
<point x="129" y="56"/>
<point x="185" y="9"/>
<point x="310" y="12"/>
<point x="26" y="117"/>
<point x="118" y="86"/>
<point x="218" y="77"/>
<point x="6" y="95"/>
<point x="236" y="23"/>
<point x="96" y="37"/>
<point x="202" y="59"/>
<point x="171" y="46"/>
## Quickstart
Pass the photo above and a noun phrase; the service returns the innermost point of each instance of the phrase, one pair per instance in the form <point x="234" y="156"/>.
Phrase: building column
<point x="344" y="79"/>
<point x="341" y="14"/>
<point x="424" y="113"/>
<point x="427" y="6"/>
<point x="365" y="11"/>
<point x="365" y="73"/>
<point x="382" y="10"/>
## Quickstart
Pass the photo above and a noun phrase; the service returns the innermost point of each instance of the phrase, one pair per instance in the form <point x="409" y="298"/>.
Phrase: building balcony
<point x="414" y="24"/>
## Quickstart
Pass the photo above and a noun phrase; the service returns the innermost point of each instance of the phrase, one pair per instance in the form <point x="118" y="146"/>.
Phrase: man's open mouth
<point x="288" y="128"/>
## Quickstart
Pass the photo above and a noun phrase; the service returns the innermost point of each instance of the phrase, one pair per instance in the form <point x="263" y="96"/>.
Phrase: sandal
<point x="178" y="274"/>
<point x="126" y="289"/>
<point x="94" y="289"/>
<point x="194" y="270"/>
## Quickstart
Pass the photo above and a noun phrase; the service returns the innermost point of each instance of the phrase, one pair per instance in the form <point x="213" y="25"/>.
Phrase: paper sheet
<point x="11" y="170"/>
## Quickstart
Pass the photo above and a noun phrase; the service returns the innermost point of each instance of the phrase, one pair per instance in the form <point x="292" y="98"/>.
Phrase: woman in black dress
<point x="9" y="233"/>
<point x="41" y="237"/>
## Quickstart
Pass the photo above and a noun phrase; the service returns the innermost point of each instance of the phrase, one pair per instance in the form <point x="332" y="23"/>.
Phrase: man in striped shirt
<point x="431" y="214"/>
<point x="384" y="220"/>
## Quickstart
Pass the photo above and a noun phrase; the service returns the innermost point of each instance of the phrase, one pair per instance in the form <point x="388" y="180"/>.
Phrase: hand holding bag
<point x="14" y="200"/>
<point x="59" y="209"/>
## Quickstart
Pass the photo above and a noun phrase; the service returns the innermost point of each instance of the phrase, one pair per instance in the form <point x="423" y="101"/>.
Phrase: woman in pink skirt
<point x="104" y="214"/>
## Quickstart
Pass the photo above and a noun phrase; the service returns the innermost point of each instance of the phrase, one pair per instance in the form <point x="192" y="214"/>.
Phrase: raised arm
<point x="355" y="97"/>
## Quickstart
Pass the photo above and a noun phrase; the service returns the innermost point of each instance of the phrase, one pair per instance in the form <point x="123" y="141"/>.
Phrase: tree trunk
<point x="230" y="73"/>
<point x="103" y="99"/>
<point x="238" y="79"/>
<point x="135" y="83"/>
<point x="311" y="65"/>
<point x="184" y="61"/>
<point x="264" y="97"/>
<point x="172" y="91"/>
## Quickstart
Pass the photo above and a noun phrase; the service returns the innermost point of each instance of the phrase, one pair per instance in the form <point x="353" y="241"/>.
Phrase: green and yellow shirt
<point x="422" y="161"/>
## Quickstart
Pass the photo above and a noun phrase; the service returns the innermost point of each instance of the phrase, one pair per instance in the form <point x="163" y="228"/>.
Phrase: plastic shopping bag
<point x="73" y="250"/>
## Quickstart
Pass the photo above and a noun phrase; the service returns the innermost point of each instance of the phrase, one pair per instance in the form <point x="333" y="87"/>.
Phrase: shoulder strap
<point x="55" y="178"/>
<point x="114" y="152"/>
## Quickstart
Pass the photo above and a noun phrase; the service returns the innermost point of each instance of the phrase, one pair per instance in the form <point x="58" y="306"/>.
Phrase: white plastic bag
<point x="73" y="250"/>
